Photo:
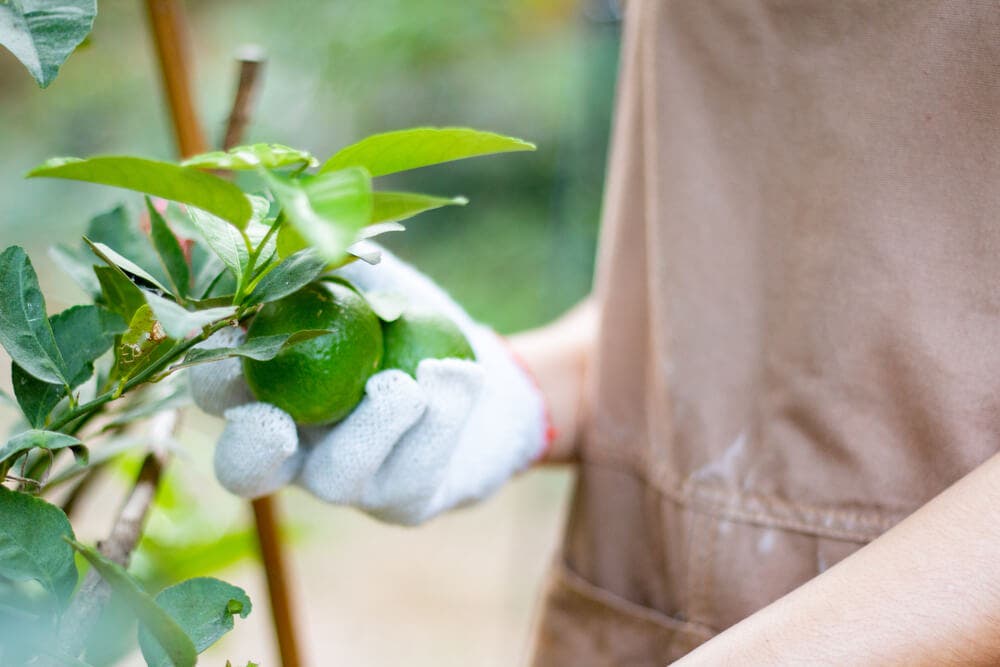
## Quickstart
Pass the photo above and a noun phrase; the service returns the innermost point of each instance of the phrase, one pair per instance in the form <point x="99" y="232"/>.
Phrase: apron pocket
<point x="584" y="625"/>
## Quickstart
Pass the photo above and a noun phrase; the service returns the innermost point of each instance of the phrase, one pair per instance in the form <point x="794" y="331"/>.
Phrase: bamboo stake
<point x="169" y="32"/>
<point x="166" y="18"/>
<point x="251" y="59"/>
<point x="264" y="509"/>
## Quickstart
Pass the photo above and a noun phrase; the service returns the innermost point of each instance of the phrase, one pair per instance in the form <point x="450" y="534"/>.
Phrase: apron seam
<point x="622" y="605"/>
<point x="772" y="511"/>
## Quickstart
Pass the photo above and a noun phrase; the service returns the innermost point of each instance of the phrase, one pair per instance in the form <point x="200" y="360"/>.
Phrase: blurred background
<point x="463" y="590"/>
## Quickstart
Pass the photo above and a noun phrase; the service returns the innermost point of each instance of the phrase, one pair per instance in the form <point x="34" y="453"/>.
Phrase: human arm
<point x="927" y="592"/>
<point x="557" y="355"/>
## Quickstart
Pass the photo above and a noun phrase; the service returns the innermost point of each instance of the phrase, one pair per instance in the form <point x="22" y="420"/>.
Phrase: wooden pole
<point x="265" y="509"/>
<point x="166" y="19"/>
<point x="271" y="551"/>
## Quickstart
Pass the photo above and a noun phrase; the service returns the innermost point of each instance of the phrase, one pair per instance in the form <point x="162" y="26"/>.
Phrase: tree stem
<point x="84" y="611"/>
<point x="85" y="410"/>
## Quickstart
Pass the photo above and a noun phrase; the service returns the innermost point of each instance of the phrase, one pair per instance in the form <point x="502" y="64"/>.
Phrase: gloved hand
<point x="412" y="448"/>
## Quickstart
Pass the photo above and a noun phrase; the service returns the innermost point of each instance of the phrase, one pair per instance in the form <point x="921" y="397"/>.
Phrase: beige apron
<point x="800" y="288"/>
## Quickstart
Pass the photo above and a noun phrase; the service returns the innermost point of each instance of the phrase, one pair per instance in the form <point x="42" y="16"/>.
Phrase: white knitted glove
<point x="412" y="448"/>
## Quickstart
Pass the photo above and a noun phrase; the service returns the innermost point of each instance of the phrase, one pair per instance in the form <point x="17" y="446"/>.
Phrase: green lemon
<point x="422" y="334"/>
<point x="319" y="380"/>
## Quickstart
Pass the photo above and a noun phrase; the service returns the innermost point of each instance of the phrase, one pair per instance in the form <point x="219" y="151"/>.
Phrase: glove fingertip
<point x="262" y="422"/>
<point x="257" y="452"/>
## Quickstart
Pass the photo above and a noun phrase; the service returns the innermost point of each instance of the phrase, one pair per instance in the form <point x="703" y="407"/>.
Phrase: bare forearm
<point x="925" y="593"/>
<point x="557" y="356"/>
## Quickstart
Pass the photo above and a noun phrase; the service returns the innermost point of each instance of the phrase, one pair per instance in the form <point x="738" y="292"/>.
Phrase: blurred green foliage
<point x="338" y="70"/>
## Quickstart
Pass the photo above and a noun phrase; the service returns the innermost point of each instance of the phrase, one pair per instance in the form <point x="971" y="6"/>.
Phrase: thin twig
<point x="251" y="60"/>
<point x="85" y="610"/>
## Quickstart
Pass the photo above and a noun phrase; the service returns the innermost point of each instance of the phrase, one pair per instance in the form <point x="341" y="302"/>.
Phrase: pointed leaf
<point x="261" y="348"/>
<point x="401" y="150"/>
<point x="163" y="629"/>
<point x="118" y="293"/>
<point x="162" y="179"/>
<point x="203" y="607"/>
<point x="43" y="33"/>
<point x="290" y="241"/>
<point x="402" y="205"/>
<point x="327" y="210"/>
<point x="288" y="276"/>
<point x="269" y="156"/>
<point x="169" y="251"/>
<point x="37" y="439"/>
<point x="35" y="397"/>
<point x="83" y="333"/>
<point x="119" y="231"/>
<point x="180" y="323"/>
<point x="32" y="546"/>
<point x="24" y="325"/>
<point x="225" y="241"/>
<point x="112" y="258"/>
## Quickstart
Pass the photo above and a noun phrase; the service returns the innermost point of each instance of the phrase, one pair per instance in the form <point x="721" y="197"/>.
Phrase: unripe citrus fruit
<point x="319" y="380"/>
<point x="422" y="334"/>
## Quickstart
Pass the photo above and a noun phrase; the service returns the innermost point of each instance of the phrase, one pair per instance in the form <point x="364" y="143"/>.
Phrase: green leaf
<point x="227" y="242"/>
<point x="142" y="344"/>
<point x="401" y="150"/>
<point x="37" y="439"/>
<point x="35" y="397"/>
<point x="290" y="241"/>
<point x="32" y="546"/>
<point x="262" y="348"/>
<point x="82" y="333"/>
<point x="288" y="276"/>
<point x="169" y="251"/>
<point x="77" y="267"/>
<point x="180" y="323"/>
<point x="117" y="230"/>
<point x="214" y="279"/>
<point x="204" y="608"/>
<point x="43" y="33"/>
<point x="269" y="156"/>
<point x="176" y="645"/>
<point x="327" y="210"/>
<point x="118" y="293"/>
<point x="162" y="179"/>
<point x="112" y="258"/>
<point x="402" y="205"/>
<point x="388" y="208"/>
<point x="25" y="331"/>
